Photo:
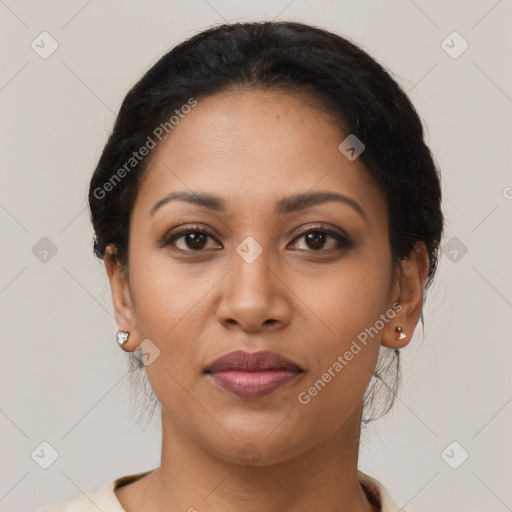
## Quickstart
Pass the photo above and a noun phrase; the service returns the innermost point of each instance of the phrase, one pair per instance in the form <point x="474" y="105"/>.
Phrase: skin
<point x="252" y="148"/>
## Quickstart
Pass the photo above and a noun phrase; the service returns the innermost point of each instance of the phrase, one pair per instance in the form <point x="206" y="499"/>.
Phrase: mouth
<point x="252" y="375"/>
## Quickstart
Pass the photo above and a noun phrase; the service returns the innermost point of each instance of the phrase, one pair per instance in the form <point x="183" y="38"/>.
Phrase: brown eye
<point x="189" y="240"/>
<point x="195" y="240"/>
<point x="317" y="240"/>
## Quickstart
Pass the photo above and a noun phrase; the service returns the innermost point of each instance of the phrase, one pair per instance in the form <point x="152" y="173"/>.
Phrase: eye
<point x="316" y="240"/>
<point x="196" y="239"/>
<point x="189" y="239"/>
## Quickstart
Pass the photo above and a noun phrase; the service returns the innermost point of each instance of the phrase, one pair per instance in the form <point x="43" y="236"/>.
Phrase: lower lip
<point x="253" y="384"/>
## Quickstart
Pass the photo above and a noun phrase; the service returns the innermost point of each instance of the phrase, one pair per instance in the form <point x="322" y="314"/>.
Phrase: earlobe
<point x="121" y="296"/>
<point x="410" y="290"/>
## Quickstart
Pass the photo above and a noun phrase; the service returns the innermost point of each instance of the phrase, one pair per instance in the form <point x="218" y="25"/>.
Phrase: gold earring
<point x="399" y="331"/>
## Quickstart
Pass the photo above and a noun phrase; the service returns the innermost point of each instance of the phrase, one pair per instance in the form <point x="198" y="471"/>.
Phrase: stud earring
<point x="122" y="338"/>
<point x="399" y="331"/>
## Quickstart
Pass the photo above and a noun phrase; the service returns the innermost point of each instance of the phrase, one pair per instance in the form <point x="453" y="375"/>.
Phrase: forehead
<point x="254" y="146"/>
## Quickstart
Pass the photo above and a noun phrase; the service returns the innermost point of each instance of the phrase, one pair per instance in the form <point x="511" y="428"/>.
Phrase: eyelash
<point x="343" y="241"/>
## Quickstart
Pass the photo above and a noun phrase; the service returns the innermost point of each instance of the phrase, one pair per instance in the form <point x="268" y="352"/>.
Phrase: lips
<point x="252" y="361"/>
<point x="252" y="375"/>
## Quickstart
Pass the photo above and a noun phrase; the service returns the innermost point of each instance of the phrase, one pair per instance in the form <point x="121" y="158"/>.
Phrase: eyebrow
<point x="284" y="206"/>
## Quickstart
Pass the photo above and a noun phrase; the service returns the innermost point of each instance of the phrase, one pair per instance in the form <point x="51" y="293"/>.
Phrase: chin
<point x="258" y="449"/>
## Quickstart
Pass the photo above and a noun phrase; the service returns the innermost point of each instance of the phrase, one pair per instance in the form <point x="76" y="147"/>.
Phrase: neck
<point x="322" y="478"/>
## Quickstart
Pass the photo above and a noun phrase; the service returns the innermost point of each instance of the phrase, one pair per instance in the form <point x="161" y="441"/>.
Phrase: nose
<point x="254" y="297"/>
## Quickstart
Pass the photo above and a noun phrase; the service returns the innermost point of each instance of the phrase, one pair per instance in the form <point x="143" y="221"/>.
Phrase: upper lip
<point x="252" y="361"/>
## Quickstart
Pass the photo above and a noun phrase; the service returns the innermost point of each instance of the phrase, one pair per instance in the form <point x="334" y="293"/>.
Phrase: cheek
<point x="347" y="298"/>
<point x="168" y="295"/>
<point x="344" y="310"/>
<point x="343" y="358"/>
<point x="173" y="310"/>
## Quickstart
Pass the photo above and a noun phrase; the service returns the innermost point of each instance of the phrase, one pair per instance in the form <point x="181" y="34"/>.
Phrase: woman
<point x="269" y="216"/>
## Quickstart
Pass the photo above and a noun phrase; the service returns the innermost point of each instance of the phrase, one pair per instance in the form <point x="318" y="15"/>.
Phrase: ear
<point x="121" y="295"/>
<point x="408" y="290"/>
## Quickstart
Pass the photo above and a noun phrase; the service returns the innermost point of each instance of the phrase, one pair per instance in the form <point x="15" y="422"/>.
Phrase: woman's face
<point x="257" y="281"/>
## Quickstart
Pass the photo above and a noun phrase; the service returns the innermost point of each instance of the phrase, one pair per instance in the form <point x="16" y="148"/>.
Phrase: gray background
<point x="64" y="380"/>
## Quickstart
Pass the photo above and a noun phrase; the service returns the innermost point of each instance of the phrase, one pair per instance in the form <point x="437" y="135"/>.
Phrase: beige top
<point x="104" y="498"/>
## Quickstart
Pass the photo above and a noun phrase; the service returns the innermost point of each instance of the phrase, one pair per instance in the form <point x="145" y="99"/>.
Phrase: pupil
<point x="317" y="239"/>
<point x="197" y="240"/>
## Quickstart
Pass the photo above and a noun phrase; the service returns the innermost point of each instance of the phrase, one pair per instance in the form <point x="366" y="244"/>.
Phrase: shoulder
<point x="103" y="498"/>
<point x="378" y="494"/>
